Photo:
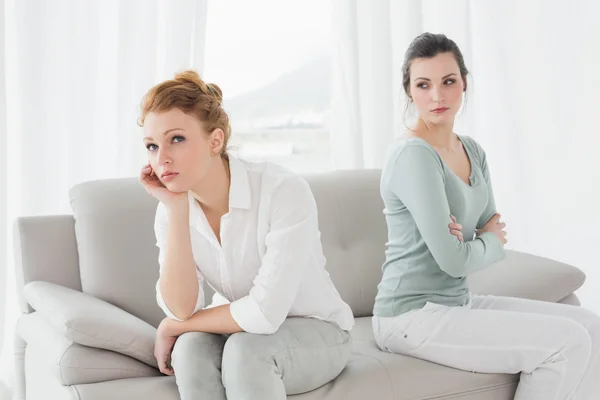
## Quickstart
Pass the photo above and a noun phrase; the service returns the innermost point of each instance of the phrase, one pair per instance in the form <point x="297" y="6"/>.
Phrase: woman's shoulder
<point x="411" y="149"/>
<point x="271" y="178"/>
<point x="474" y="146"/>
<point x="268" y="172"/>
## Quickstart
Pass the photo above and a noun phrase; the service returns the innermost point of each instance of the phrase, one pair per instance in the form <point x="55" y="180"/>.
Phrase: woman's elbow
<point x="177" y="314"/>
<point x="177" y="309"/>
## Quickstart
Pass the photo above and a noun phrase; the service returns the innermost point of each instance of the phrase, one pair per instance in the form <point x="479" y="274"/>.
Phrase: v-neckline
<point x="207" y="229"/>
<point x="470" y="185"/>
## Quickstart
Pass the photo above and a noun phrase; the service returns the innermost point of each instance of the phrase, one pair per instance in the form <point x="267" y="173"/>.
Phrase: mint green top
<point x="424" y="261"/>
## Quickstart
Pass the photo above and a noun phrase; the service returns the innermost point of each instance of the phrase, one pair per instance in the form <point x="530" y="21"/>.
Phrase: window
<point x="272" y="59"/>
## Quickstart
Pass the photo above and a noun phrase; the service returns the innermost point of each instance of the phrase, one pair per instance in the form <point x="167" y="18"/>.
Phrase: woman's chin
<point x="175" y="187"/>
<point x="441" y="119"/>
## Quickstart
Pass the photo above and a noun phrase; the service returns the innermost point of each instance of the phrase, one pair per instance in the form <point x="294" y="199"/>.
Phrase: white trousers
<point x="555" y="347"/>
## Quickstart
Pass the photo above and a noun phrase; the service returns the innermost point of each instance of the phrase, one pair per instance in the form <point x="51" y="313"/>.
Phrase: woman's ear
<point x="217" y="138"/>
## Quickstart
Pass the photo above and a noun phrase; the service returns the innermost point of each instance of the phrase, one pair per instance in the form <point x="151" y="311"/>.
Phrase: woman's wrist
<point x="178" y="209"/>
<point x="171" y="327"/>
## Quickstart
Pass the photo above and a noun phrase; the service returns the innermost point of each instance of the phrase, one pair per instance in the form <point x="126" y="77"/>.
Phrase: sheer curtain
<point x="532" y="105"/>
<point x="75" y="73"/>
<point x="4" y="393"/>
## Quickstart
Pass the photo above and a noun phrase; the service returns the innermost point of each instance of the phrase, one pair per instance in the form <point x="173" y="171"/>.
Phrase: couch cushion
<point x="72" y="363"/>
<point x="118" y="259"/>
<point x="529" y="277"/>
<point x="374" y="374"/>
<point x="159" y="388"/>
<point x="89" y="321"/>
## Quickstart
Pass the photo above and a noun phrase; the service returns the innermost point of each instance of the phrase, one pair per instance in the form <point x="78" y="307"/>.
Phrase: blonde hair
<point x="187" y="92"/>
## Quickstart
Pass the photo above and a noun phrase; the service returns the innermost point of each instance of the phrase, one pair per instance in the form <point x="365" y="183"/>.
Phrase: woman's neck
<point x="440" y="136"/>
<point x="213" y="192"/>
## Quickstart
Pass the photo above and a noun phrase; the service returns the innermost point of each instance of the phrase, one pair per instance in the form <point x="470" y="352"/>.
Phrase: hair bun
<point x="189" y="76"/>
<point x="210" y="89"/>
<point x="215" y="92"/>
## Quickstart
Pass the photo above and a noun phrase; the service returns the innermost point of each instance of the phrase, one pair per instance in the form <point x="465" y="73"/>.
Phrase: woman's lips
<point x="169" y="176"/>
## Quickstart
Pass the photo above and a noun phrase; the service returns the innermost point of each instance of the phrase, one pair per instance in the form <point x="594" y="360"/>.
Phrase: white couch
<point x="86" y="284"/>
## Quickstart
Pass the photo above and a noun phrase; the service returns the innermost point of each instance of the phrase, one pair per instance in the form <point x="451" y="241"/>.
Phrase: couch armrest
<point x="92" y="322"/>
<point x="528" y="276"/>
<point x="45" y="249"/>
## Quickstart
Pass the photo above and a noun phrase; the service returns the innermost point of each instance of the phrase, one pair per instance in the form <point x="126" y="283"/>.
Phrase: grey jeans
<point x="304" y="354"/>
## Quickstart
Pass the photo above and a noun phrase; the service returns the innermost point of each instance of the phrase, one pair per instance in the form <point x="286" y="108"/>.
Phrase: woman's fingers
<point x="458" y="234"/>
<point x="146" y="170"/>
<point x="458" y="227"/>
<point x="454" y="224"/>
<point x="164" y="368"/>
<point x="170" y="370"/>
<point x="148" y="179"/>
<point x="163" y="362"/>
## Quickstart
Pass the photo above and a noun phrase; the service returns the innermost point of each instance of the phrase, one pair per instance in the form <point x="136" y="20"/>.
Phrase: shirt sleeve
<point x="289" y="250"/>
<point x="490" y="208"/>
<point x="160" y="230"/>
<point x="417" y="179"/>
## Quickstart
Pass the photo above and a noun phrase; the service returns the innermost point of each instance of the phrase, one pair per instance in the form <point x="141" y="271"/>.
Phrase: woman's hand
<point x="154" y="187"/>
<point x="456" y="229"/>
<point x="496" y="227"/>
<point x="163" y="346"/>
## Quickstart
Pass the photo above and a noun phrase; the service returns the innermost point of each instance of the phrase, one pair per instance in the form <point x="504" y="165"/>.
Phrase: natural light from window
<point x="272" y="59"/>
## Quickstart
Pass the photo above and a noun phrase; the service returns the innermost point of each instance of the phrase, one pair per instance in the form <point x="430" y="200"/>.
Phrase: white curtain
<point x="532" y="104"/>
<point x="4" y="392"/>
<point x="75" y="75"/>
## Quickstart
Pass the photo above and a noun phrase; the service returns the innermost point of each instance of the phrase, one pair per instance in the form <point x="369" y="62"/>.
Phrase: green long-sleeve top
<point x="424" y="261"/>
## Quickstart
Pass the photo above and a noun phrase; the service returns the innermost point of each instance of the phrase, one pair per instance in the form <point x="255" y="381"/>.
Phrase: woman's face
<point x="180" y="151"/>
<point x="436" y="88"/>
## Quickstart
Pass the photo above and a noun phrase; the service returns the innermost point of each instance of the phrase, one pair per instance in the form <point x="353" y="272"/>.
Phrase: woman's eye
<point x="178" y="139"/>
<point x="422" y="85"/>
<point x="151" y="147"/>
<point x="450" y="81"/>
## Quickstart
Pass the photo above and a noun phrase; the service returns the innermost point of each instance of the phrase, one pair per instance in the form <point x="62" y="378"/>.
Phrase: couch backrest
<point x="118" y="257"/>
<point x="353" y="233"/>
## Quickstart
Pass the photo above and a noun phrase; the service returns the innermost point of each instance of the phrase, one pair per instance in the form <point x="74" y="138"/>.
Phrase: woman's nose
<point x="436" y="95"/>
<point x="164" y="157"/>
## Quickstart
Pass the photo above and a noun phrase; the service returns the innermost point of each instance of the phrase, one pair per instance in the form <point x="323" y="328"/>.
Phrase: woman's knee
<point x="244" y="348"/>
<point x="245" y="352"/>
<point x="591" y="321"/>
<point x="197" y="350"/>
<point x="265" y="356"/>
<point x="578" y="339"/>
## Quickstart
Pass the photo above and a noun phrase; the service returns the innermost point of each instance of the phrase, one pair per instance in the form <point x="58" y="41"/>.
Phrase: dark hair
<point x="428" y="45"/>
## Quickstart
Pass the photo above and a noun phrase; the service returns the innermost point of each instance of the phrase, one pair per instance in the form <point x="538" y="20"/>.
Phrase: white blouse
<point x="270" y="264"/>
